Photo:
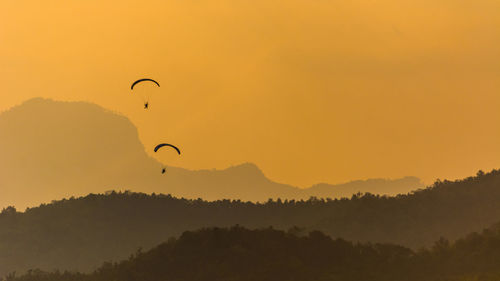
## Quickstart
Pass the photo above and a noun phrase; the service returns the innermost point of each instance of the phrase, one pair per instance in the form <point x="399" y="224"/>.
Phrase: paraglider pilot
<point x="146" y="103"/>
<point x="163" y="145"/>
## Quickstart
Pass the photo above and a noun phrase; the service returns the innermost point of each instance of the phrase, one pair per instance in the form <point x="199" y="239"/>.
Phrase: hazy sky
<point x="309" y="90"/>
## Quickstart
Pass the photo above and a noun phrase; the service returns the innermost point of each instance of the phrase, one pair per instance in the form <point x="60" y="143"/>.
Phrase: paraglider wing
<point x="142" y="80"/>
<point x="166" y="144"/>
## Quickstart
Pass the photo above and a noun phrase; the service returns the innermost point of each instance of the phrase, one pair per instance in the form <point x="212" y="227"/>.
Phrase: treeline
<point x="79" y="234"/>
<point x="239" y="254"/>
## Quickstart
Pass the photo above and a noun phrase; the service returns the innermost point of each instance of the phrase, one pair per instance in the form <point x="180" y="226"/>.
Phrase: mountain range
<point x="53" y="150"/>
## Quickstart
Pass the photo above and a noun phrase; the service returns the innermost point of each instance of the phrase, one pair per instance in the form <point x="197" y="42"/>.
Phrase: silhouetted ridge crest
<point x="80" y="233"/>
<point x="246" y="168"/>
<point x="238" y="253"/>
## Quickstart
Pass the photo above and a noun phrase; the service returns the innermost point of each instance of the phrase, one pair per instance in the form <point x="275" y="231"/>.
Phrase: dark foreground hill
<point x="79" y="234"/>
<point x="52" y="150"/>
<point x="267" y="254"/>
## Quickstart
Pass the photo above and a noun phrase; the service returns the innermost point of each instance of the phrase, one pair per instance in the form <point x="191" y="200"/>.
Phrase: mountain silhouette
<point x="242" y="254"/>
<point x="52" y="150"/>
<point x="81" y="233"/>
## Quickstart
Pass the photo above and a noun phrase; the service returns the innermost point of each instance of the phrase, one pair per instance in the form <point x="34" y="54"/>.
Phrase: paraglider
<point x="166" y="144"/>
<point x="144" y="95"/>
<point x="158" y="147"/>
<point x="143" y="80"/>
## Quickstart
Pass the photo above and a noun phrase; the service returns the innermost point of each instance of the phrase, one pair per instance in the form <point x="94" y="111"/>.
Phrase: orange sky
<point x="309" y="90"/>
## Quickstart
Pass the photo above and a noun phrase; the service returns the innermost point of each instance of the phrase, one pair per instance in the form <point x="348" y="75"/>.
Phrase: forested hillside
<point x="267" y="254"/>
<point x="79" y="234"/>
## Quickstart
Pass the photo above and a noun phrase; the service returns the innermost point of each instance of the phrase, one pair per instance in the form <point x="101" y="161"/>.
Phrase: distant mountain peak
<point x="246" y="168"/>
<point x="76" y="148"/>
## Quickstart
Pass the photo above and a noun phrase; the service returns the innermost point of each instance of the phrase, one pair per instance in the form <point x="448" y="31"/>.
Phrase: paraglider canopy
<point x="143" y="80"/>
<point x="166" y="144"/>
<point x="146" y="92"/>
<point x="158" y="147"/>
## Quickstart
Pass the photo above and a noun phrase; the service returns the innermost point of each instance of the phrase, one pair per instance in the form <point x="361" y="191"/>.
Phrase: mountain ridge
<point x="238" y="253"/>
<point x="57" y="149"/>
<point x="81" y="233"/>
